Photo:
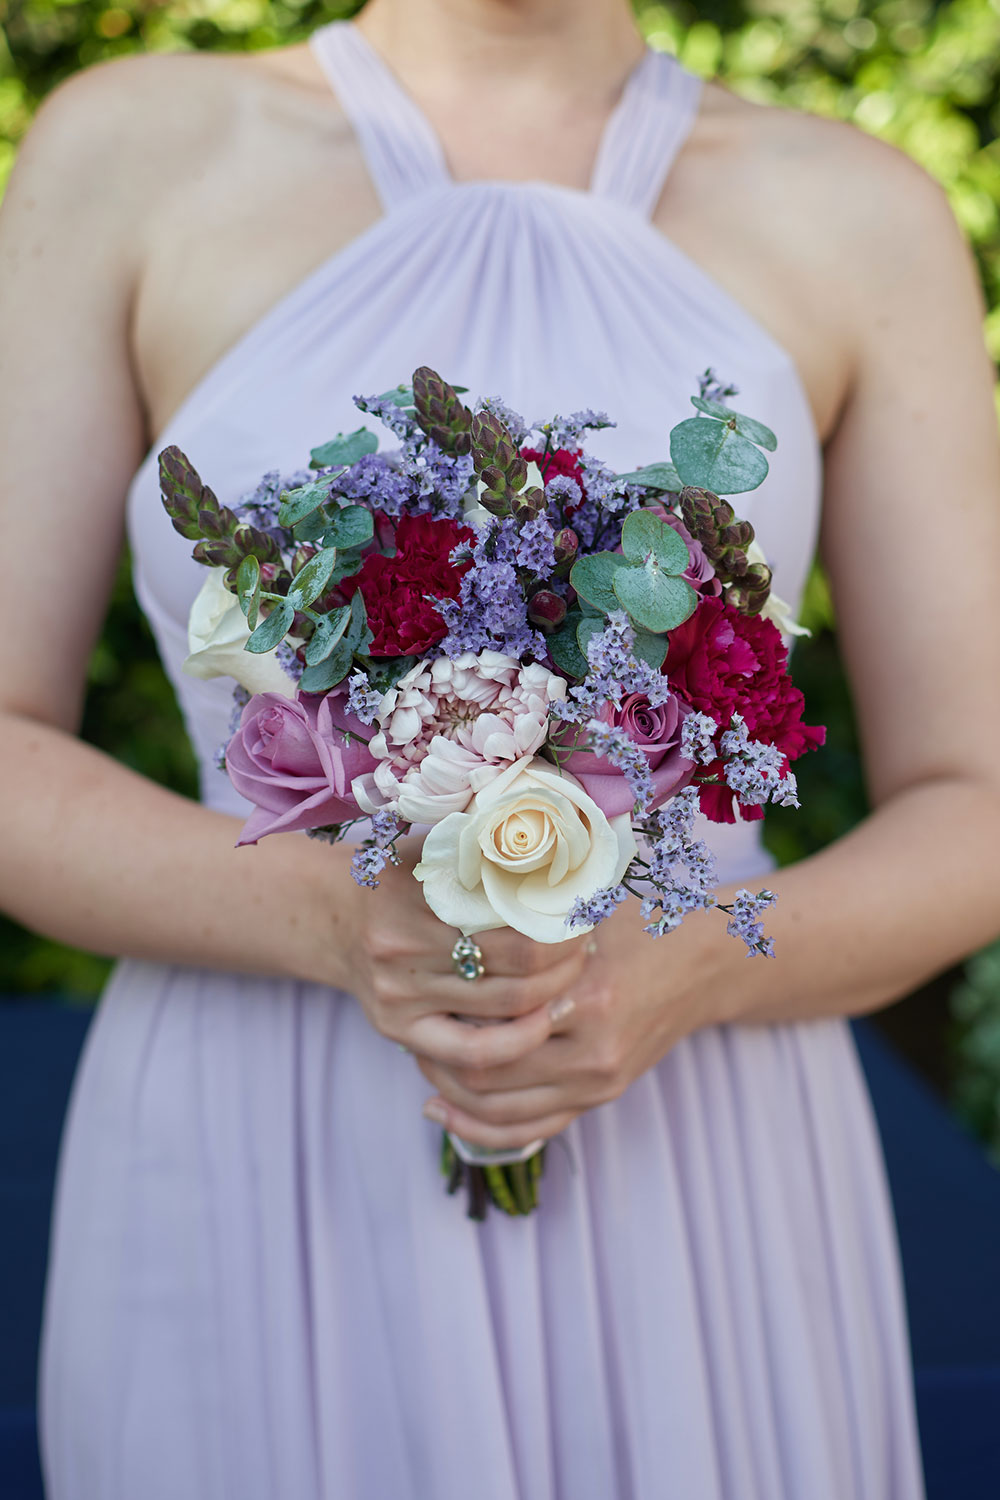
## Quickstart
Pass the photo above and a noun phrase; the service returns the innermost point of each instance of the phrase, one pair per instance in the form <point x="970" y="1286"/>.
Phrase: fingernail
<point x="560" y="1009"/>
<point x="435" y="1110"/>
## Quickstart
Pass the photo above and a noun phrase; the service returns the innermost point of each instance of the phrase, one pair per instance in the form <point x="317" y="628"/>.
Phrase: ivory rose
<point x="531" y="844"/>
<point x="217" y="634"/>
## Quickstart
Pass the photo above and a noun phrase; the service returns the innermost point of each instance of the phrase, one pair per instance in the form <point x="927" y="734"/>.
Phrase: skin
<point x="140" y="187"/>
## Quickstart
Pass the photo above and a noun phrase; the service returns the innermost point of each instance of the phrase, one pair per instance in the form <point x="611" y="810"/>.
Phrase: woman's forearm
<point x="99" y="857"/>
<point x="912" y="889"/>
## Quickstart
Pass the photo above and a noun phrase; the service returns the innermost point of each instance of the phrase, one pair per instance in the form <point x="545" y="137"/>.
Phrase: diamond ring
<point x="467" y="958"/>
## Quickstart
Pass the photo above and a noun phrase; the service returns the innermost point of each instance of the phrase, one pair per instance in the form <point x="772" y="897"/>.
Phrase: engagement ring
<point x="467" y="957"/>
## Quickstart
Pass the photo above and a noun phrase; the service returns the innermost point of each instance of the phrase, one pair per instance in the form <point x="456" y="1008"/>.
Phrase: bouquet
<point x="544" y="667"/>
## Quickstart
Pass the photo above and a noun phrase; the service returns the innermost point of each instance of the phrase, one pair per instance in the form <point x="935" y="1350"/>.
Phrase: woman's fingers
<point x="509" y="1107"/>
<point x="495" y="1137"/>
<point x="456" y="1044"/>
<point x="495" y="998"/>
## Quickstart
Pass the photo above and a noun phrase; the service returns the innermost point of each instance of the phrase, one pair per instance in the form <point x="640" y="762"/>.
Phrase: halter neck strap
<point x="644" y="133"/>
<point x="402" y="151"/>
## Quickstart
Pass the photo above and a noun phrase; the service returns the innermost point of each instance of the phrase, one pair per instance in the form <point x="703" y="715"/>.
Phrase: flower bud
<point x="546" y="610"/>
<point x="528" y="504"/>
<point x="301" y="556"/>
<point x="566" y="544"/>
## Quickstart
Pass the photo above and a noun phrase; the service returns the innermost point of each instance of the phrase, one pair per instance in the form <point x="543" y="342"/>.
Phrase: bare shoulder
<point x="862" y="210"/>
<point x="119" y="135"/>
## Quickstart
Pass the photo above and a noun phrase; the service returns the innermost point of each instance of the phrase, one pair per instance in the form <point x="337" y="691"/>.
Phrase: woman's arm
<point x="911" y="541"/>
<point x="93" y="854"/>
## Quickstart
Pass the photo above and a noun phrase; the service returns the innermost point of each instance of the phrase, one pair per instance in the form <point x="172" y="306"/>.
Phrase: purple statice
<point x="535" y="546"/>
<point x="698" y="734"/>
<point x="376" y="482"/>
<point x="438" y="481"/>
<point x="563" y="492"/>
<point x="711" y="388"/>
<point x="288" y="661"/>
<point x="378" y="850"/>
<point x="567" y="432"/>
<point x="362" y="700"/>
<point x="259" y="506"/>
<point x="615" y="671"/>
<point x="398" y="419"/>
<point x="512" y="420"/>
<point x="240" y="700"/>
<point x="491" y="612"/>
<point x="744" y="921"/>
<point x="604" y="488"/>
<point x="680" y="871"/>
<point x="588" y="911"/>
<point x="755" y="771"/>
<point x="615" y="745"/>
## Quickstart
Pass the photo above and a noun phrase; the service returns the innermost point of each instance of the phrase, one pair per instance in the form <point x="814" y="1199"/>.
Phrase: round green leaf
<point x="712" y="456"/>
<point x="272" y="631"/>
<point x="652" y="649"/>
<point x="248" y="588"/>
<point x="344" y="450"/>
<point x="326" y="674"/>
<point x="312" y="580"/>
<point x="565" y="651"/>
<point x="653" y="599"/>
<point x="298" y="503"/>
<point x="748" y="426"/>
<point x="655" y="477"/>
<point x="645" y="535"/>
<point x="328" y="632"/>
<point x="351" y="527"/>
<point x="591" y="577"/>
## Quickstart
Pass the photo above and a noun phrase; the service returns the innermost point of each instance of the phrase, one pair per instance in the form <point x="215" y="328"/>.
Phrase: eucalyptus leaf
<point x="248" y="589"/>
<point x="588" y="627"/>
<point x="313" y="580"/>
<point x="351" y="527"/>
<point x="748" y="426"/>
<point x="650" y="648"/>
<point x="565" y="651"/>
<point x="712" y="456"/>
<point x="272" y="631"/>
<point x="344" y="449"/>
<point x="644" y="534"/>
<point x="326" y="674"/>
<point x="312" y="526"/>
<point x="591" y="577"/>
<point x="653" y="599"/>
<point x="327" y="634"/>
<point x="358" y="625"/>
<point x="386" y="672"/>
<point x="400" y="395"/>
<point x="298" y="503"/>
<point x="656" y="477"/>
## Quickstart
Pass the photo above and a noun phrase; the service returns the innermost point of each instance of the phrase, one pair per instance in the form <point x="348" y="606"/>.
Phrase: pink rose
<point x="291" y="759"/>
<point x="657" y="731"/>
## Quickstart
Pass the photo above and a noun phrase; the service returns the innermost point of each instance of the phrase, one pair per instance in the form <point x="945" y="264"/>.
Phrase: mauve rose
<point x="699" y="573"/>
<point x="657" y="731"/>
<point x="290" y="758"/>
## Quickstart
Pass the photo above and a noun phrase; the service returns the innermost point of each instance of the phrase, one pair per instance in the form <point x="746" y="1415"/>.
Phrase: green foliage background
<point x="924" y="76"/>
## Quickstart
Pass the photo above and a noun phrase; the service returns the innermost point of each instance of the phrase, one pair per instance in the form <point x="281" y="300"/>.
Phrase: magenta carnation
<point x="399" y="591"/>
<point x="722" y="662"/>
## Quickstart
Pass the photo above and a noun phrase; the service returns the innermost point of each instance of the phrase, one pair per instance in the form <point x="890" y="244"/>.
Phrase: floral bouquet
<point x="544" y="667"/>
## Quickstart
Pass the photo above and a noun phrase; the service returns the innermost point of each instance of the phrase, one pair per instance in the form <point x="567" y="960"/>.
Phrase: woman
<point x="257" y="1286"/>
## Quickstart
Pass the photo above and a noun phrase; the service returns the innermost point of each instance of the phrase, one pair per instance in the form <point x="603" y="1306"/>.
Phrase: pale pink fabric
<point x="258" y="1288"/>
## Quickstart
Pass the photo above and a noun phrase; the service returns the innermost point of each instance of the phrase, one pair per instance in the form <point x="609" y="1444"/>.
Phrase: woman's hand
<point x="634" y="1000"/>
<point x="401" y="971"/>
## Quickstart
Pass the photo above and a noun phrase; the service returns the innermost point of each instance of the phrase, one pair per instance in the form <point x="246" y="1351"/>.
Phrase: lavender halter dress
<point x="707" y="1305"/>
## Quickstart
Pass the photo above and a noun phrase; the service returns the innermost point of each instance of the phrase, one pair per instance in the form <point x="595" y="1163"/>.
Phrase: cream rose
<point x="530" y="844"/>
<point x="217" y="634"/>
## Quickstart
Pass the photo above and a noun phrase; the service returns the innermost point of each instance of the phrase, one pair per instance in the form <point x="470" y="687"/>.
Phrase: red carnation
<point x="399" y="591"/>
<point x="559" y="461"/>
<point x="722" y="661"/>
